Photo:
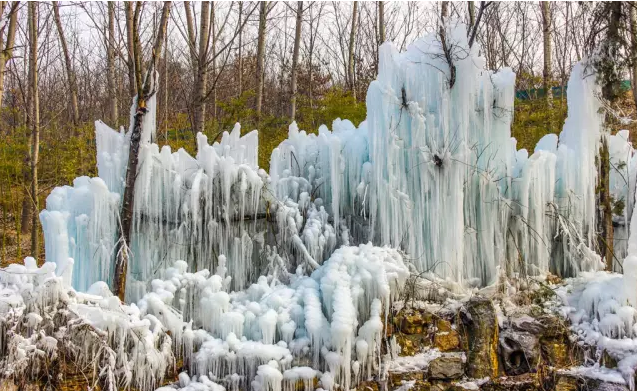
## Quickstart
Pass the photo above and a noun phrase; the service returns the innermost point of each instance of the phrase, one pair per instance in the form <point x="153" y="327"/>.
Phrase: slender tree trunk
<point x="202" y="69"/>
<point x="70" y="74"/>
<point x="546" y="34"/>
<point x="130" y="46"/>
<point x="295" y="57"/>
<point x="35" y="123"/>
<point x="261" y="57"/>
<point x="350" y="62"/>
<point x="7" y="51"/>
<point x="472" y="15"/>
<point x="128" y="199"/>
<point x="633" y="49"/>
<point x="137" y="48"/>
<point x="240" y="58"/>
<point x="213" y="49"/>
<point x="110" y="64"/>
<point x="381" y="21"/>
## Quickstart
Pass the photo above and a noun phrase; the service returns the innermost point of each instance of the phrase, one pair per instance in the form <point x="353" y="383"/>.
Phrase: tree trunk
<point x="7" y="51"/>
<point x="472" y="15"/>
<point x="137" y="48"/>
<point x="633" y="50"/>
<point x="130" y="42"/>
<point x="35" y="123"/>
<point x="201" y="77"/>
<point x="546" y="34"/>
<point x="70" y="74"/>
<point x="263" y="7"/>
<point x="295" y="58"/>
<point x="350" y="62"/>
<point x="110" y="64"/>
<point x="381" y="21"/>
<point x="213" y="49"/>
<point x="128" y="199"/>
<point x="240" y="58"/>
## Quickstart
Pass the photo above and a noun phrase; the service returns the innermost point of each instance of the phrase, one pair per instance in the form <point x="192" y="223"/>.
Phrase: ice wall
<point x="433" y="171"/>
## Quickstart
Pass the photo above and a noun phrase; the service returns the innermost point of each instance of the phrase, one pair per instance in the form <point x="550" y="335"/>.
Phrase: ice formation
<point x="307" y="257"/>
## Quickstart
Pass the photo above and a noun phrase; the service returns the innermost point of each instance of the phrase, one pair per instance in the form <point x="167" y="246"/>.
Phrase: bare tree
<point x="128" y="200"/>
<point x="633" y="49"/>
<point x="7" y="49"/>
<point x="34" y="121"/>
<point x="130" y="47"/>
<point x="546" y="34"/>
<point x="110" y="64"/>
<point x="70" y="73"/>
<point x="239" y="55"/>
<point x="350" y="61"/>
<point x="381" y="22"/>
<point x="199" y="58"/>
<point x="263" y="6"/>
<point x="295" y="57"/>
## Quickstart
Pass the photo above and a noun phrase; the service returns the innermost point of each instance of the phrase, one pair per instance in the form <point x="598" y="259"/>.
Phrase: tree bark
<point x="132" y="82"/>
<point x="240" y="58"/>
<point x="35" y="122"/>
<point x="381" y="21"/>
<point x="128" y="199"/>
<point x="110" y="64"/>
<point x="633" y="49"/>
<point x="546" y="34"/>
<point x="295" y="58"/>
<point x="350" y="63"/>
<point x="472" y="15"/>
<point x="263" y="7"/>
<point x="7" y="51"/>
<point x="201" y="76"/>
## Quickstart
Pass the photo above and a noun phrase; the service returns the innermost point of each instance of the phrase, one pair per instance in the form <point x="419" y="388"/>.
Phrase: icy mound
<point x="327" y="325"/>
<point x="330" y="321"/>
<point x="46" y="324"/>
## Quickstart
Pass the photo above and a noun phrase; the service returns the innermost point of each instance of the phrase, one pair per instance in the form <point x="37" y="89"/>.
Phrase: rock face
<point x="447" y="367"/>
<point x="480" y="328"/>
<point x="470" y="350"/>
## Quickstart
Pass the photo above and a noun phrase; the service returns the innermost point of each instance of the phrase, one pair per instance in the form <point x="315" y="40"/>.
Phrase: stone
<point x="413" y="385"/>
<point x="412" y="321"/>
<point x="447" y="341"/>
<point x="396" y="378"/>
<point x="526" y="382"/>
<point x="369" y="385"/>
<point x="519" y="351"/>
<point x="446" y="367"/>
<point x="411" y="344"/>
<point x="555" y="344"/>
<point x="480" y="328"/>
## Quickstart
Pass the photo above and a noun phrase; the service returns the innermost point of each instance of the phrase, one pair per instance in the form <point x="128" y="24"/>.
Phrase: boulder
<point x="480" y="328"/>
<point x="447" y="367"/>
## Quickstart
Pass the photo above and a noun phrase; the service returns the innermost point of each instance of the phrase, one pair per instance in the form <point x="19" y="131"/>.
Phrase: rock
<point x="397" y="378"/>
<point x="480" y="326"/>
<point x="519" y="351"/>
<point x="412" y="321"/>
<point x="369" y="385"/>
<point x="447" y="341"/>
<point x="526" y="382"/>
<point x="555" y="344"/>
<point x="447" y="367"/>
<point x="566" y="383"/>
<point x="412" y="344"/>
<point x="414" y="385"/>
